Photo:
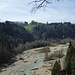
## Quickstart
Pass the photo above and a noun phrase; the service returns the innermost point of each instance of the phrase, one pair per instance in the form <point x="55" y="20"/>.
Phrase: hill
<point x="29" y="27"/>
<point x="11" y="36"/>
<point x="54" y="31"/>
<point x="32" y="25"/>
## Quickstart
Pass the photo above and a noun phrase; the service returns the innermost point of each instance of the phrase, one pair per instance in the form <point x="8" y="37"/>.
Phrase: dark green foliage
<point x="22" y="24"/>
<point x="70" y="60"/>
<point x="56" y="68"/>
<point x="54" y="31"/>
<point x="11" y="36"/>
<point x="51" y="31"/>
<point x="35" y="23"/>
<point x="73" y="72"/>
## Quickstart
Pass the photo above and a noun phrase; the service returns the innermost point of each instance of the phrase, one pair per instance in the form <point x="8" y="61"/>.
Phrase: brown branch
<point x="35" y="1"/>
<point x="39" y="4"/>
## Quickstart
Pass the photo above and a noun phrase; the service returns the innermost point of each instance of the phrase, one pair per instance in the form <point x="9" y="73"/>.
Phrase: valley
<point x="32" y="62"/>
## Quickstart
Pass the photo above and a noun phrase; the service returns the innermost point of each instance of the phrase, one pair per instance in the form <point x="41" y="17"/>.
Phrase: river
<point x="26" y="70"/>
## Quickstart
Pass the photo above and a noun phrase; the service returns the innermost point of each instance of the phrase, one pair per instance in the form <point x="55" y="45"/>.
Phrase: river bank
<point x="32" y="62"/>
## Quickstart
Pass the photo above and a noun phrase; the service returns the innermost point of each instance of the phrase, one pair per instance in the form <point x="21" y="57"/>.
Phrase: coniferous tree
<point x="70" y="60"/>
<point x="56" y="68"/>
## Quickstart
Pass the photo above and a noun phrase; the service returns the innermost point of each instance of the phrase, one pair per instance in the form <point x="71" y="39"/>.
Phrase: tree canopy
<point x="56" y="68"/>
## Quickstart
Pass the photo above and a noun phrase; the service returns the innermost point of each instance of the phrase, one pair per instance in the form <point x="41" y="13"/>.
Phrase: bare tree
<point x="40" y="3"/>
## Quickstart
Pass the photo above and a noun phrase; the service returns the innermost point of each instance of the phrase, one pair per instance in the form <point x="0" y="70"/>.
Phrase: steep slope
<point x="11" y="36"/>
<point x="54" y="31"/>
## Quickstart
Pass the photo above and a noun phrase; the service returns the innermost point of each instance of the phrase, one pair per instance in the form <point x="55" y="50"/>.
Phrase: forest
<point x="15" y="38"/>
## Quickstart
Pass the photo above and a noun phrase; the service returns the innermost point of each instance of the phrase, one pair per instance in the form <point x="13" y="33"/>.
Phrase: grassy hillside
<point x="29" y="27"/>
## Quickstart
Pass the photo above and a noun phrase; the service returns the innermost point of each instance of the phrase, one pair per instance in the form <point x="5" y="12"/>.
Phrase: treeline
<point x="53" y="31"/>
<point x="49" y="31"/>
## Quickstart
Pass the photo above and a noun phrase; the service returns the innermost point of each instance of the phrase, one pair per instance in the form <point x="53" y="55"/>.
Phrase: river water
<point x="26" y="70"/>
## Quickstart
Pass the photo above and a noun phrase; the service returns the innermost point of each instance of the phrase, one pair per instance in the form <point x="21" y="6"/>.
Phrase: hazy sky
<point x="18" y="10"/>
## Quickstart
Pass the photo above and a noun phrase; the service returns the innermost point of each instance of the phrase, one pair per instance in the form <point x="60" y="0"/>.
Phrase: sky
<point x="19" y="10"/>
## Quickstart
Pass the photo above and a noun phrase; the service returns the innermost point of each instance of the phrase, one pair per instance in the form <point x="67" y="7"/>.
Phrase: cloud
<point x="19" y="10"/>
